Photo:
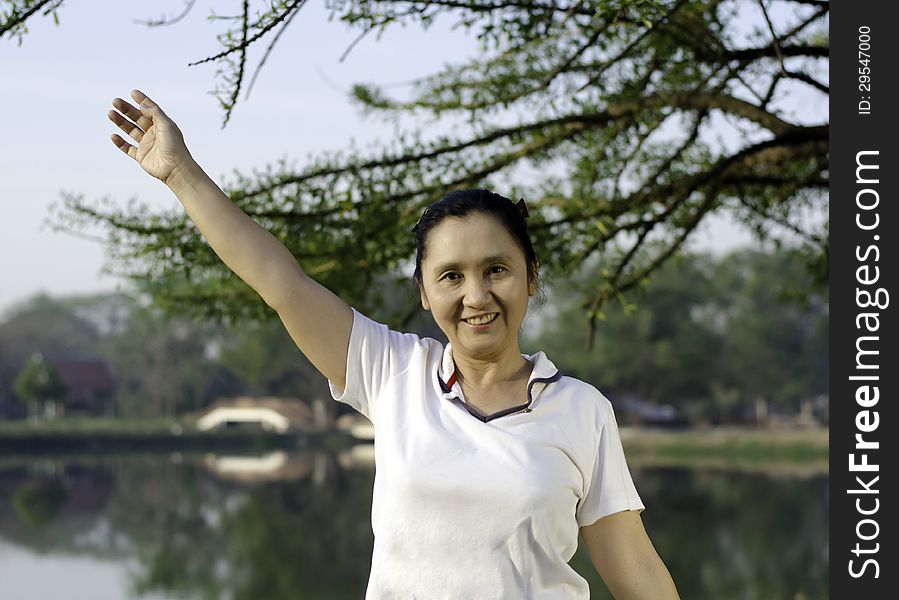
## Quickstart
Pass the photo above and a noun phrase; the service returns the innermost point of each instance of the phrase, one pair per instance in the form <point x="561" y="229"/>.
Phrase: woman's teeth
<point x="481" y="320"/>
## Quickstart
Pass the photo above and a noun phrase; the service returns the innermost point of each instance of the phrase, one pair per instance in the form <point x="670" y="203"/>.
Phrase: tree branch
<point x="264" y="30"/>
<point x="17" y="19"/>
<point x="188" y="5"/>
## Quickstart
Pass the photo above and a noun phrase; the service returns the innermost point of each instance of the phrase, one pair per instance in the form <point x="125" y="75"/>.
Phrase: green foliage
<point x="265" y="357"/>
<point x="38" y="502"/>
<point x="15" y="13"/>
<point x="38" y="384"/>
<point x="707" y="336"/>
<point x="164" y="363"/>
<point x="612" y="110"/>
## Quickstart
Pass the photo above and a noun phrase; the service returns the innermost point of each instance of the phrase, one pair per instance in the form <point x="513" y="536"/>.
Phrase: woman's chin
<point x="481" y="343"/>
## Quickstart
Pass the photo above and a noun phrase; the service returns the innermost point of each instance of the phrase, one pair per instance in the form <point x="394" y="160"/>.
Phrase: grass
<point x="85" y="436"/>
<point x="804" y="450"/>
<point x="91" y="426"/>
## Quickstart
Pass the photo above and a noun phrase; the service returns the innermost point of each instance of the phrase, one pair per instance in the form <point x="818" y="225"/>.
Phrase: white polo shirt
<point x="466" y="506"/>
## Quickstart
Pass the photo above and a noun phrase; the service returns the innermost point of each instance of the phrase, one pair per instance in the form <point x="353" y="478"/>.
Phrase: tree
<point x="39" y="386"/>
<point x="710" y="337"/>
<point x="775" y="350"/>
<point x="164" y="363"/>
<point x="604" y="115"/>
<point x="264" y="357"/>
<point x="47" y="325"/>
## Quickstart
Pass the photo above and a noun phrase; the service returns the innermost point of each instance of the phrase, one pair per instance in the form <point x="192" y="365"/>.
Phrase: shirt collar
<point x="544" y="370"/>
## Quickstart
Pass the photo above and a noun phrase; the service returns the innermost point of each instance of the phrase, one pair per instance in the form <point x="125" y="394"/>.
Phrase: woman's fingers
<point x="132" y="113"/>
<point x="124" y="146"/>
<point x="139" y="96"/>
<point x="127" y="126"/>
<point x="147" y="106"/>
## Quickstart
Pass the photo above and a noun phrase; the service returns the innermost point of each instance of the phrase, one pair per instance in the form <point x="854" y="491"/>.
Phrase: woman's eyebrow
<point x="455" y="266"/>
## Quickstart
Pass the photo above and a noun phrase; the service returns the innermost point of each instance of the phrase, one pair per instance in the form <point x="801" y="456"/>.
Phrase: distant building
<point x="11" y="409"/>
<point x="90" y="384"/>
<point x="631" y="410"/>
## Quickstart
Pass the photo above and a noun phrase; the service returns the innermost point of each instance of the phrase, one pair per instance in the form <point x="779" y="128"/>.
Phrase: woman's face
<point x="473" y="269"/>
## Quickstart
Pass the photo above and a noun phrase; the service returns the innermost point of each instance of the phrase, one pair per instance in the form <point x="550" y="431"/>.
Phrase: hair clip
<point x="522" y="209"/>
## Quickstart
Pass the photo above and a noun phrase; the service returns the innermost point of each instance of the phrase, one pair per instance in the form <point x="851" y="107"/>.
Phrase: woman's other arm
<point x="626" y="560"/>
<point x="317" y="320"/>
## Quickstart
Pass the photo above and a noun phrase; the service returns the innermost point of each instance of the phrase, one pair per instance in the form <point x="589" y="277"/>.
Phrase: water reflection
<point x="296" y="525"/>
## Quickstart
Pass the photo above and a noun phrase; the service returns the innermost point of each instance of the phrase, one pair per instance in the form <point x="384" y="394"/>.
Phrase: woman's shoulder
<point x="585" y="394"/>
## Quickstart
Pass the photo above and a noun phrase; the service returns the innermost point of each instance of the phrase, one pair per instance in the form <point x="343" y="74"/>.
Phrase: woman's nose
<point x="477" y="293"/>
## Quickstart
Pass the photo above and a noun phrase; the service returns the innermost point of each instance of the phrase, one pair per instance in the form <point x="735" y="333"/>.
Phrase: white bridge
<point x="271" y="413"/>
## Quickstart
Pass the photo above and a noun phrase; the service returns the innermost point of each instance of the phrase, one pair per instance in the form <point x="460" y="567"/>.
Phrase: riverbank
<point x="789" y="451"/>
<point x="101" y="435"/>
<point x="730" y="447"/>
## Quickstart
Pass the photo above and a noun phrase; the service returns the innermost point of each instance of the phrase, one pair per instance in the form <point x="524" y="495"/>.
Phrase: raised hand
<point x="160" y="148"/>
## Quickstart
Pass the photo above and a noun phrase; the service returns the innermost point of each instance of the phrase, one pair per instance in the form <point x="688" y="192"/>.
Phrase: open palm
<point x="160" y="145"/>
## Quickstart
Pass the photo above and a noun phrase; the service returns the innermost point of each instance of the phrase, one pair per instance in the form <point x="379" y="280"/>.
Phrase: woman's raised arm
<point x="317" y="320"/>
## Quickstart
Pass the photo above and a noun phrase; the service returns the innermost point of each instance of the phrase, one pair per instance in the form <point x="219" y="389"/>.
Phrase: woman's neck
<point x="482" y="372"/>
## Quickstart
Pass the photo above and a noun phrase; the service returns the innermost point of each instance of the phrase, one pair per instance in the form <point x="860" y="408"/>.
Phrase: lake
<point x="296" y="525"/>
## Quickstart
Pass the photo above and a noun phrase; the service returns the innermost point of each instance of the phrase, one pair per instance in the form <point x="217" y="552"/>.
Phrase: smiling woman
<point x="476" y="268"/>
<point x="488" y="461"/>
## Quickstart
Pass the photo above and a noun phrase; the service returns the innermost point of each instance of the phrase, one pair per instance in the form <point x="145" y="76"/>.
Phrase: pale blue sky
<point x="58" y="85"/>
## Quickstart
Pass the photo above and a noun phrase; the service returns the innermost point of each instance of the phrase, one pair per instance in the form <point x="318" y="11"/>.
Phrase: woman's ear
<point x="424" y="299"/>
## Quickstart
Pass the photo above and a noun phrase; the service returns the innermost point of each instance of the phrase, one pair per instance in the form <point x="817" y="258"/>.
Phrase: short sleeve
<point x="374" y="355"/>
<point x="609" y="485"/>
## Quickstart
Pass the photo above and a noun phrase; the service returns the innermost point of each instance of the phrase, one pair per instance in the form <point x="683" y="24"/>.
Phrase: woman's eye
<point x="497" y="269"/>
<point x="451" y="276"/>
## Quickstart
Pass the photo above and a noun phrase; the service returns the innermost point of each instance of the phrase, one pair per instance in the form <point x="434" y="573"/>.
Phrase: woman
<point x="489" y="462"/>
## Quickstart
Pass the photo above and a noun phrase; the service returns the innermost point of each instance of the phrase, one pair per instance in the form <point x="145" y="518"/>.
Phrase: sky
<point x="59" y="83"/>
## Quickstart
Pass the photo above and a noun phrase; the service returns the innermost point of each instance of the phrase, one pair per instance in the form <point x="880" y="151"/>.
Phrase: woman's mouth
<point x="481" y="320"/>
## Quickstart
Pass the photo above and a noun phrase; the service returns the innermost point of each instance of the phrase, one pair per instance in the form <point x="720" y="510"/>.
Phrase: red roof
<point x="83" y="374"/>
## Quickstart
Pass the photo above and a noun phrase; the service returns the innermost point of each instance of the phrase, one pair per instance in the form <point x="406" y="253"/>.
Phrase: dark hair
<point x="460" y="203"/>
